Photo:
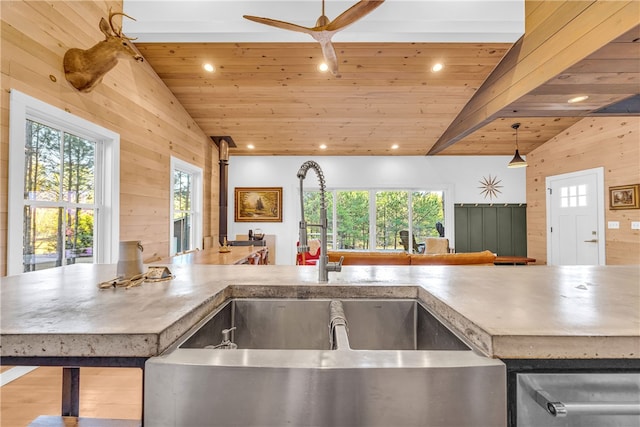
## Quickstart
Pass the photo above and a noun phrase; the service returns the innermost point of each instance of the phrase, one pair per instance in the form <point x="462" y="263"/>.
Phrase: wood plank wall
<point x="608" y="142"/>
<point x="131" y="100"/>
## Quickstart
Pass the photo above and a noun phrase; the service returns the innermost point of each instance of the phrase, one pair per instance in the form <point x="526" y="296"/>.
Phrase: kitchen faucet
<point x="324" y="266"/>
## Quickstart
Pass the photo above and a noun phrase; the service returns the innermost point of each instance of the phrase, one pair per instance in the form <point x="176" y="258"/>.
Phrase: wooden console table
<point x="513" y="260"/>
<point x="237" y="255"/>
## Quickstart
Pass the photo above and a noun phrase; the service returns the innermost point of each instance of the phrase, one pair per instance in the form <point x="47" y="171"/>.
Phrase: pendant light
<point x="517" y="161"/>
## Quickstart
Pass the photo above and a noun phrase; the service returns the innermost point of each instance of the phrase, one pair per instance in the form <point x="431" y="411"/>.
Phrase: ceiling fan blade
<point x="352" y="14"/>
<point x="279" y="24"/>
<point x="330" y="57"/>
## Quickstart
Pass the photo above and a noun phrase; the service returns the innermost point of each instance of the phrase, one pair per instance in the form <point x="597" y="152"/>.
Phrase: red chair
<point x="311" y="257"/>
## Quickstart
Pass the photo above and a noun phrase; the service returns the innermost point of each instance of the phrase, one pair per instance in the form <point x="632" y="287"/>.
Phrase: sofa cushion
<point x="436" y="245"/>
<point x="463" y="258"/>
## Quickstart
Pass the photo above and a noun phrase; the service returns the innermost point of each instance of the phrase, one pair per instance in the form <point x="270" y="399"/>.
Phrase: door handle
<point x="591" y="241"/>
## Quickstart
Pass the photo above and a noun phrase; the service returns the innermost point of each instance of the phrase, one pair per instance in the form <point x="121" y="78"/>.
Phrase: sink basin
<point x="318" y="362"/>
<point x="303" y="324"/>
<point x="396" y="325"/>
<point x="267" y="324"/>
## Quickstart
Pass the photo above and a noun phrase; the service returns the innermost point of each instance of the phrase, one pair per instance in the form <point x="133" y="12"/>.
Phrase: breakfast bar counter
<point x="551" y="312"/>
<point x="535" y="319"/>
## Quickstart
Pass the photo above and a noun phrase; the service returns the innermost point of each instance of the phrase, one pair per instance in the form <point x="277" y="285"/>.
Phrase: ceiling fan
<point x="325" y="29"/>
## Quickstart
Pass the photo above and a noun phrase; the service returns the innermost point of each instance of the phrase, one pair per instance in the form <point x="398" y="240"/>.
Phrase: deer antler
<point x="118" y="32"/>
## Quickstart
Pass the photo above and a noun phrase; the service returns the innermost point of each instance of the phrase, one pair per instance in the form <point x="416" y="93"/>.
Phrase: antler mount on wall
<point x="84" y="69"/>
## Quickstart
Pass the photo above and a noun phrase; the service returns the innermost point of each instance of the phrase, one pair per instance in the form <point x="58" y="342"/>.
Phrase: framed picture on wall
<point x="258" y="204"/>
<point x="624" y="197"/>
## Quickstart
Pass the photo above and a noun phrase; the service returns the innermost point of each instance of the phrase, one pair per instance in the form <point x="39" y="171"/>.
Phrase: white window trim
<point x="197" y="202"/>
<point x="23" y="107"/>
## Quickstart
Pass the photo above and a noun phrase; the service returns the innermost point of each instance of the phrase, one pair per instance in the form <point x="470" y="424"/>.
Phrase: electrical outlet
<point x="635" y="225"/>
<point x="613" y="224"/>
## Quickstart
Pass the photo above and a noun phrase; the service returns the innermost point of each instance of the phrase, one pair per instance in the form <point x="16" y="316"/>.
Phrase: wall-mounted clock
<point x="490" y="187"/>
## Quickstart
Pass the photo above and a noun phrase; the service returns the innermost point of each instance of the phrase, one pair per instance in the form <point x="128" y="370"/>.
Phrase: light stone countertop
<point x="583" y="312"/>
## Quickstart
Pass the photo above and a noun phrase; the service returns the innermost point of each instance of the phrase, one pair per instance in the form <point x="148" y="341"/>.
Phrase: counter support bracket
<point x="70" y="392"/>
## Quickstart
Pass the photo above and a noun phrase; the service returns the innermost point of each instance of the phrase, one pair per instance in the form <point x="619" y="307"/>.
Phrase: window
<point x="59" y="198"/>
<point x="312" y="204"/>
<point x="427" y="209"/>
<point x="392" y="216"/>
<point x="573" y="196"/>
<point x="186" y="194"/>
<point x="364" y="219"/>
<point x="352" y="215"/>
<point x="62" y="207"/>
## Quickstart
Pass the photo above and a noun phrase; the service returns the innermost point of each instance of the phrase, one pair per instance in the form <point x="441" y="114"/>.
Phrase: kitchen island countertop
<point x="510" y="312"/>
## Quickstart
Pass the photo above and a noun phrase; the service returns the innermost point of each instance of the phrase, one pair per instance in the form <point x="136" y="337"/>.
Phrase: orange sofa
<point x="403" y="258"/>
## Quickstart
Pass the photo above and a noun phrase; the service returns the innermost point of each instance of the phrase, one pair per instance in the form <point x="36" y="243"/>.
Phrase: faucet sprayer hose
<point x="302" y="174"/>
<point x="323" y="265"/>
<point x="337" y="326"/>
<point x="336" y="314"/>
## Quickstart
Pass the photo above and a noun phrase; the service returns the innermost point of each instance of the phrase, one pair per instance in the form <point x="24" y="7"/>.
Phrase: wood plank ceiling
<point x="271" y="95"/>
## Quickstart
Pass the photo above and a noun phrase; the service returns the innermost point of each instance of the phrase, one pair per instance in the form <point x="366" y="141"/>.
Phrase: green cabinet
<point x="502" y="229"/>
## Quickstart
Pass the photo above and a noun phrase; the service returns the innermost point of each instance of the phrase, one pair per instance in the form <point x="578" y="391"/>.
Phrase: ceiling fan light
<point x="325" y="28"/>
<point x="517" y="161"/>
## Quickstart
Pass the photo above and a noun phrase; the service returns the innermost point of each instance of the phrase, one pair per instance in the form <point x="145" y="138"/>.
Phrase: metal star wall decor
<point x="490" y="187"/>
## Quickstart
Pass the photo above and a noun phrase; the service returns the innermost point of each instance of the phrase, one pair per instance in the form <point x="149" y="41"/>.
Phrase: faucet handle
<point x="226" y="333"/>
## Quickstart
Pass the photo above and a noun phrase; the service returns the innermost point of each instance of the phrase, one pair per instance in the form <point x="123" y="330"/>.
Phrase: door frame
<point x="600" y="211"/>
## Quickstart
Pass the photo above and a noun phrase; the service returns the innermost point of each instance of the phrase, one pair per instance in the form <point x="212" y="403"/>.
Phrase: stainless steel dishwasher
<point x="579" y="400"/>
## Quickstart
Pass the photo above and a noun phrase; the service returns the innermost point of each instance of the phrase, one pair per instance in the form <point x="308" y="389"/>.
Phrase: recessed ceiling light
<point x="323" y="67"/>
<point x="251" y="146"/>
<point x="578" y="99"/>
<point x="323" y="146"/>
<point x="395" y="146"/>
<point x="437" y="67"/>
<point x="209" y="67"/>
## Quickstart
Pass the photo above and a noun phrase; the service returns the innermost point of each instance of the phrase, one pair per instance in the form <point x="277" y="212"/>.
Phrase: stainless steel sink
<point x="314" y="362"/>
<point x="303" y="325"/>
<point x="267" y="324"/>
<point x="396" y="325"/>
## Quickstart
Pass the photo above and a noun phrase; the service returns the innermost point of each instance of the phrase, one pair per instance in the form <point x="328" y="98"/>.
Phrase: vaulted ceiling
<point x="272" y="96"/>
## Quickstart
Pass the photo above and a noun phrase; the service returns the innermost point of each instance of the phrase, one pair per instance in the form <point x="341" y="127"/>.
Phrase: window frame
<point x="107" y="191"/>
<point x="196" y="202"/>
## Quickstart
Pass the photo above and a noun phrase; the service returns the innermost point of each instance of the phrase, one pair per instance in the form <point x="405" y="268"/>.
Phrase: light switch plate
<point x="613" y="224"/>
<point x="635" y="225"/>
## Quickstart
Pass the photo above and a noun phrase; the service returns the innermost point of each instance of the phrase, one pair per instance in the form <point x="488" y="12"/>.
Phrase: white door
<point x="575" y="218"/>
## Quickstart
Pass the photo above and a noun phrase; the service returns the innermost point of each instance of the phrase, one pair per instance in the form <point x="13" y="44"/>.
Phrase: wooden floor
<point x="104" y="393"/>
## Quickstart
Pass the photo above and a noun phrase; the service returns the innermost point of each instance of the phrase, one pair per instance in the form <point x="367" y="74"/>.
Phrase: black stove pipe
<point x="223" y="143"/>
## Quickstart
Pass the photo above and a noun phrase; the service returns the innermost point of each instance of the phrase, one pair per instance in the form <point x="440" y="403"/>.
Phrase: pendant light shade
<point x="517" y="161"/>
